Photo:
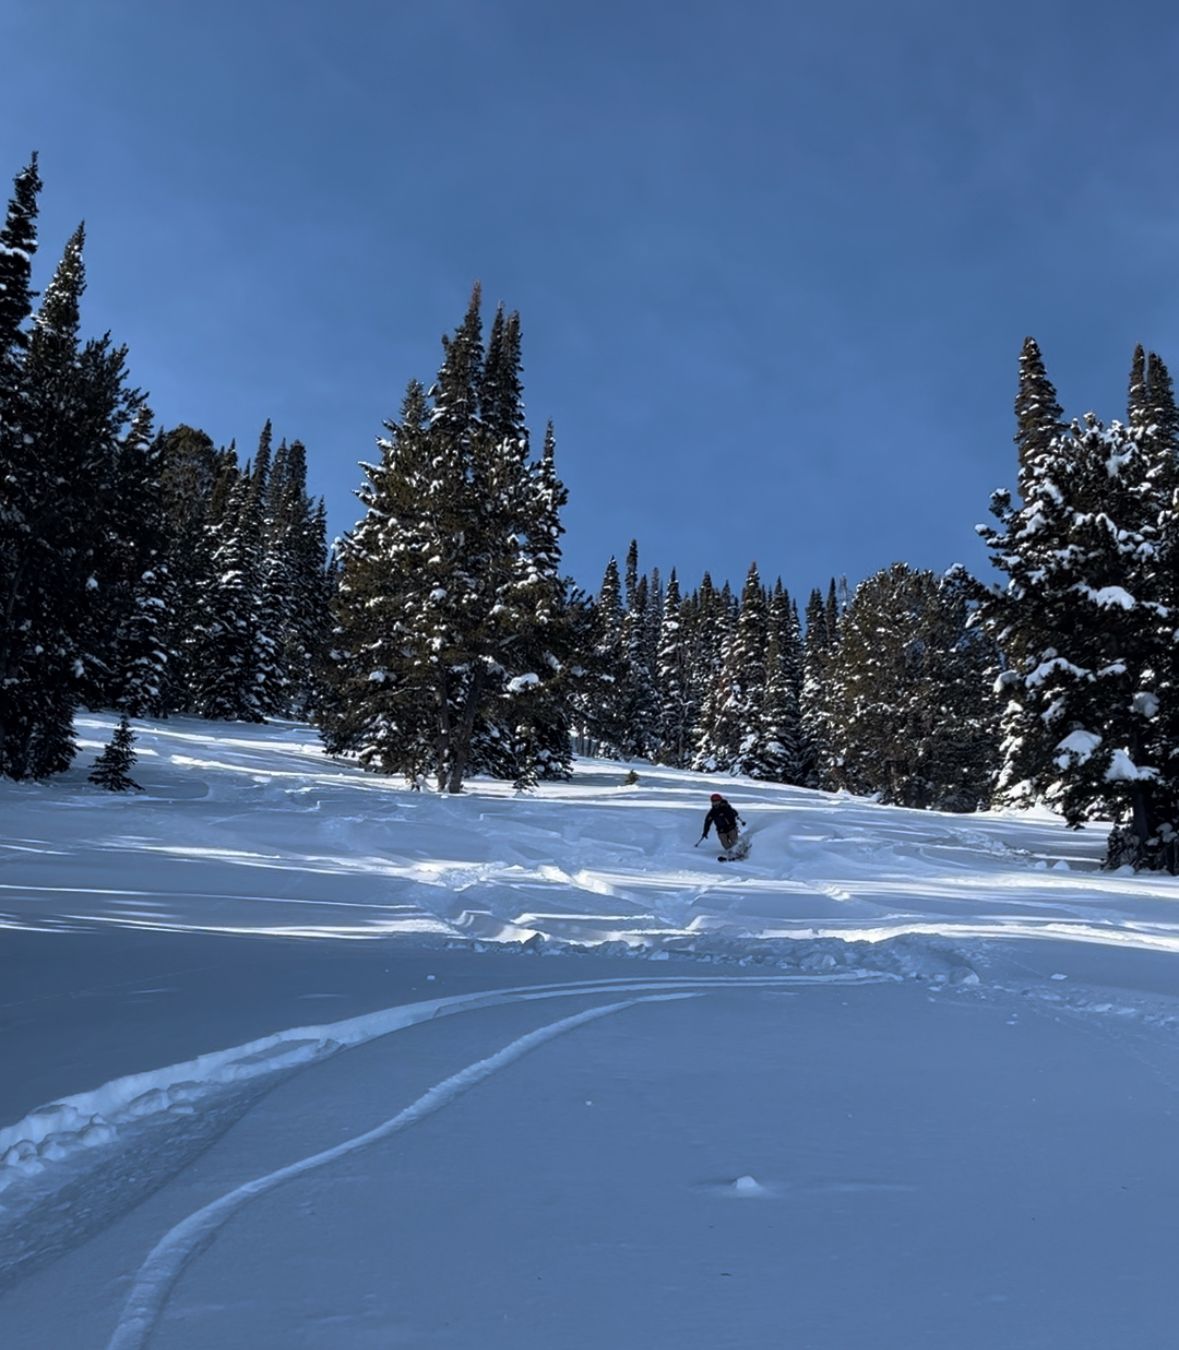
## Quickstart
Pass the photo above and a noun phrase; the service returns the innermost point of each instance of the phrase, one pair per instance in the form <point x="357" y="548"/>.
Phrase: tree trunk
<point x="461" y="746"/>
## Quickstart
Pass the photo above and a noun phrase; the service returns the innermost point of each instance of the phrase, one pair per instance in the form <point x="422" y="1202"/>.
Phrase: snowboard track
<point x="158" y="1274"/>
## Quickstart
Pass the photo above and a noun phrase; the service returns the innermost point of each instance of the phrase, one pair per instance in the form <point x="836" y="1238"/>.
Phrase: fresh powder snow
<point x="295" y="1056"/>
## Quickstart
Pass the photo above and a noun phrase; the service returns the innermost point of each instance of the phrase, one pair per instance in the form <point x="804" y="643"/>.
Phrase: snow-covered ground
<point x="295" y="1057"/>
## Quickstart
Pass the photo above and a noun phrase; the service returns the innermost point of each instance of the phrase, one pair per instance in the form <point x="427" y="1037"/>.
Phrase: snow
<point x="1054" y="665"/>
<point x="1122" y="769"/>
<point x="1146" y="704"/>
<point x="1108" y="597"/>
<point x="1077" y="747"/>
<point x="295" y="1056"/>
<point x="522" y="682"/>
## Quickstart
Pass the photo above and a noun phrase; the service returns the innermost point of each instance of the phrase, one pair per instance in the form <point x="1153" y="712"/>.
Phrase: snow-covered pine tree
<point x="1154" y="426"/>
<point x="781" y="721"/>
<point x="195" y="480"/>
<point x="677" y="710"/>
<point x="964" y="752"/>
<point x="640" y="706"/>
<point x="1024" y="743"/>
<point x="656" y="600"/>
<point x="234" y="658"/>
<point x="1078" y="621"/>
<point x="501" y="739"/>
<point x="137" y="595"/>
<point x="18" y="244"/>
<point x="817" y="766"/>
<point x="112" y="769"/>
<point x="602" y="698"/>
<point x="907" y="694"/>
<point x="708" y="621"/>
<point x="378" y="701"/>
<point x="540" y="682"/>
<point x="452" y="550"/>
<point x="19" y="472"/>
<point x="300" y="538"/>
<point x="730" y="738"/>
<point x="74" y="408"/>
<point x="523" y="728"/>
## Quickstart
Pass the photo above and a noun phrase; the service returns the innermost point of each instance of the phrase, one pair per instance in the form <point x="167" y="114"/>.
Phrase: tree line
<point x="140" y="569"/>
<point x="151" y="571"/>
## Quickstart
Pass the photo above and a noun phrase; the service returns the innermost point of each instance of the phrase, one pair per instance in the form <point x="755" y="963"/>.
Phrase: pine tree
<point x="18" y="469"/>
<point x="677" y="708"/>
<point x="449" y="608"/>
<point x="781" y="720"/>
<point x="74" y="408"/>
<point x="730" y="738"/>
<point x="234" y="666"/>
<point x="378" y="700"/>
<point x="639" y="703"/>
<point x="18" y="244"/>
<point x="817" y="764"/>
<point x="907" y="694"/>
<point x="603" y="708"/>
<point x="137" y="595"/>
<point x="1077" y="623"/>
<point x="708" y="622"/>
<point x="1024" y="745"/>
<point x="1037" y="413"/>
<point x="195" y="479"/>
<point x="112" y="769"/>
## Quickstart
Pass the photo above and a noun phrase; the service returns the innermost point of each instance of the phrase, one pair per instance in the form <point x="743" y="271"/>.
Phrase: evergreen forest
<point x="147" y="570"/>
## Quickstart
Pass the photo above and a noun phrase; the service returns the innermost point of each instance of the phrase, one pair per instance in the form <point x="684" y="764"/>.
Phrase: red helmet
<point x="716" y="797"/>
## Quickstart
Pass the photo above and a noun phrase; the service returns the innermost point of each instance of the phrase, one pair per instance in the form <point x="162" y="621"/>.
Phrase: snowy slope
<point x="289" y="1019"/>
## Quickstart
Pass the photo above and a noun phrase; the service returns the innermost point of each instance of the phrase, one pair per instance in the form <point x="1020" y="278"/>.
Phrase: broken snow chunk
<point x="748" y="1185"/>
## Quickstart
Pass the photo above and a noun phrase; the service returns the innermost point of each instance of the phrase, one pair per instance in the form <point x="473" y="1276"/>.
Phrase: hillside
<point x="328" y="1062"/>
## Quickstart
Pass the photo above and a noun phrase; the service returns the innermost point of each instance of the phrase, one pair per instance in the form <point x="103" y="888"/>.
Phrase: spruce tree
<point x="639" y="703"/>
<point x="1076" y="621"/>
<point x="908" y="700"/>
<point x="234" y="665"/>
<point x="457" y="551"/>
<point x="74" y="408"/>
<point x="18" y="469"/>
<point x="677" y="709"/>
<point x="112" y="769"/>
<point x="603" y="709"/>
<point x="781" y="720"/>
<point x="817" y="765"/>
<point x="379" y="701"/>
<point x="137" y="594"/>
<point x="194" y="482"/>
<point x="730" y="738"/>
<point x="18" y="244"/>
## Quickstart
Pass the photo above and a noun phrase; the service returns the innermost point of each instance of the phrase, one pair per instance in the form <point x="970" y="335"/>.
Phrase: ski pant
<point x="728" y="838"/>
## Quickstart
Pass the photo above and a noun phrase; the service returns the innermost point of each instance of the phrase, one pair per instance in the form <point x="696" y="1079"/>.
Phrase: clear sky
<point x="774" y="261"/>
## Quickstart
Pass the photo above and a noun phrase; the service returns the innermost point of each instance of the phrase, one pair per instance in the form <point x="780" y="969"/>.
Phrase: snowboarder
<point x="723" y="815"/>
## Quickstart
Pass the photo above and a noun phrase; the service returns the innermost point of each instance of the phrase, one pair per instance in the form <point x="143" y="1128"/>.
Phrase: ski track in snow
<point x="253" y="832"/>
<point x="39" y="1148"/>
<point x="160" y="1271"/>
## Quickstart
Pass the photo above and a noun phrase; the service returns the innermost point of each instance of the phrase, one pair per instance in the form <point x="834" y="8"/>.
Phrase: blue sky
<point x="774" y="261"/>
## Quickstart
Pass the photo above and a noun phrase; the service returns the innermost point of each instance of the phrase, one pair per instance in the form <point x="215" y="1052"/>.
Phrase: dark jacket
<point x="723" y="816"/>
